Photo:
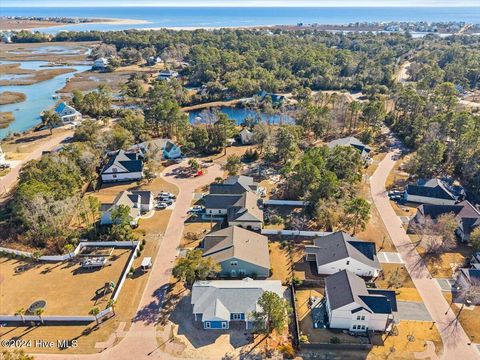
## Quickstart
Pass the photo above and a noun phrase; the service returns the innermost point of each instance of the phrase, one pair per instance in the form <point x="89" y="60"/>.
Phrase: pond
<point x="239" y="115"/>
<point x="39" y="96"/>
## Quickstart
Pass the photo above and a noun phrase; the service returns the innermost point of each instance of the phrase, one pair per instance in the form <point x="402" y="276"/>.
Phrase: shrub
<point x="296" y="281"/>
<point x="335" y="340"/>
<point x="303" y="338"/>
<point x="276" y="220"/>
<point x="287" y="350"/>
<point x="251" y="155"/>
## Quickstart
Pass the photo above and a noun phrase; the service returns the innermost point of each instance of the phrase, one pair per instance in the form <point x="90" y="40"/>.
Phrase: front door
<point x="233" y="273"/>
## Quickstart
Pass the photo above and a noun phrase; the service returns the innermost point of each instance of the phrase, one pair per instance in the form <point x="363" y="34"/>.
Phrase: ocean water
<point x="199" y="17"/>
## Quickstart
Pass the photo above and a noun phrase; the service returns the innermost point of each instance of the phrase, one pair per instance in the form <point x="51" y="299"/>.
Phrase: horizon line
<point x="243" y="6"/>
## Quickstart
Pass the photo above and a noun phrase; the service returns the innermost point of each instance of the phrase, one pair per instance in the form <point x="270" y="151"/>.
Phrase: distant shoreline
<point x="29" y="25"/>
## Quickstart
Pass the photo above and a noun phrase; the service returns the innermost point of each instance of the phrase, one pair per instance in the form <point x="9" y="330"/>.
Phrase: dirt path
<point x="402" y="75"/>
<point x="140" y="341"/>
<point x="8" y="181"/>
<point x="455" y="340"/>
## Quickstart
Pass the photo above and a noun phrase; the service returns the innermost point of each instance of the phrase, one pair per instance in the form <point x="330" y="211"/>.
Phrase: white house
<point x="246" y="136"/>
<point x="3" y="160"/>
<point x="138" y="201"/>
<point x="352" y="306"/>
<point x="100" y="64"/>
<point x="166" y="148"/>
<point x="216" y="303"/>
<point x="167" y="75"/>
<point x="123" y="166"/>
<point x="340" y="251"/>
<point x="67" y="113"/>
<point x="434" y="191"/>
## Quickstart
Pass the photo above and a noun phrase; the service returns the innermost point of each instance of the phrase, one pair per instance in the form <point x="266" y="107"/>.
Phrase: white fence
<point x="293" y="232"/>
<point x="59" y="318"/>
<point x="52" y="318"/>
<point x="285" y="202"/>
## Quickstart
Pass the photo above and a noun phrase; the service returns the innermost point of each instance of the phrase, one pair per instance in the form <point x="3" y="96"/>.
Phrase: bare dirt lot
<point x="65" y="286"/>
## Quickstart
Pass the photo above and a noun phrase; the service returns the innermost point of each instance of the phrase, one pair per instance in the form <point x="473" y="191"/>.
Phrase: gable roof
<point x="467" y="215"/>
<point x="339" y="245"/>
<point x="344" y="288"/>
<point x="129" y="161"/>
<point x="234" y="185"/>
<point x="434" y="188"/>
<point x="132" y="199"/>
<point x="238" y="243"/>
<point x="245" y="209"/>
<point x="349" y="141"/>
<point x="214" y="201"/>
<point x="217" y="299"/>
<point x="472" y="276"/>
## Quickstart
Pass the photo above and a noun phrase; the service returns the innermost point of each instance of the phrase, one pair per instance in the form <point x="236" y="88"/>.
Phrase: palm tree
<point x="21" y="312"/>
<point x="95" y="311"/>
<point x="112" y="303"/>
<point x="39" y="313"/>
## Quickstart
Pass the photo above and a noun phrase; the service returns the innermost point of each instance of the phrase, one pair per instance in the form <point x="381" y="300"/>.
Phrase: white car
<point x="161" y="205"/>
<point x="197" y="209"/>
<point x="166" y="194"/>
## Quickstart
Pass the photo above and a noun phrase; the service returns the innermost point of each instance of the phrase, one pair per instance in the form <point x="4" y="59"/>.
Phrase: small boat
<point x="55" y="97"/>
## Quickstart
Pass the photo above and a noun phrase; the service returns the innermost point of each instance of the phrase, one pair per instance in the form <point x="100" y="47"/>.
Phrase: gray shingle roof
<point x="434" y="188"/>
<point x="238" y="243"/>
<point x="344" y="288"/>
<point x="234" y="185"/>
<point x="214" y="201"/>
<point x="128" y="160"/>
<point x="339" y="245"/>
<point x="217" y="299"/>
<point x="245" y="209"/>
<point x="349" y="141"/>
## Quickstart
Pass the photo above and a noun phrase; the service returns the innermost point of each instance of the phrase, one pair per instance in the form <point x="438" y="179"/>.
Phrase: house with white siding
<point x="67" y="113"/>
<point x="138" y="201"/>
<point x="123" y="166"/>
<point x="217" y="303"/>
<point x="339" y="251"/>
<point x="350" y="305"/>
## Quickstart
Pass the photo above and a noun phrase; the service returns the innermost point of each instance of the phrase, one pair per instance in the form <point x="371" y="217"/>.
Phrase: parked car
<point x="166" y="194"/>
<point x="197" y="209"/>
<point x="161" y="205"/>
<point x="5" y="166"/>
<point x="166" y="200"/>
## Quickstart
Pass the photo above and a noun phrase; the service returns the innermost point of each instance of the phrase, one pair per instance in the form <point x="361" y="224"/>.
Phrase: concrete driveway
<point x="412" y="310"/>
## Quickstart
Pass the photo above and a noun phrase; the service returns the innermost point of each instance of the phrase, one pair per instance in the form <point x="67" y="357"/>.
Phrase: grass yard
<point x="444" y="265"/>
<point x="396" y="277"/>
<point x="279" y="262"/>
<point x="65" y="286"/>
<point x="399" y="347"/>
<point x="194" y="232"/>
<point x="469" y="318"/>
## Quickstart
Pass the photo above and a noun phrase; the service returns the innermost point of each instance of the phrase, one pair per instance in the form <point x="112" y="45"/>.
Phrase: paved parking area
<point x="446" y="284"/>
<point x="390" y="257"/>
<point x="412" y="310"/>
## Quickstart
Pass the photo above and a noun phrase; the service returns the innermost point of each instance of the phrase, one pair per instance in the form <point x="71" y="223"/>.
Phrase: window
<point x="354" y="327"/>
<point x="363" y="327"/>
<point x="114" y="169"/>
<point x="236" y="316"/>
<point x="208" y="325"/>
<point x="358" y="317"/>
<point x="363" y="317"/>
<point x="224" y="325"/>
<point x="219" y="211"/>
<point x="114" y="176"/>
<point x="242" y="271"/>
<point x="348" y="262"/>
<point x="233" y="263"/>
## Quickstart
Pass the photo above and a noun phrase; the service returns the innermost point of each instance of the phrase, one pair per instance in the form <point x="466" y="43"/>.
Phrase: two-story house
<point x="240" y="252"/>
<point x="123" y="166"/>
<point x="138" y="201"/>
<point x="352" y="306"/>
<point x="340" y="251"/>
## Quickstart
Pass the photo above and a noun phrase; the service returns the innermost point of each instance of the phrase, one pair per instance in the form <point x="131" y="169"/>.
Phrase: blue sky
<point x="319" y="3"/>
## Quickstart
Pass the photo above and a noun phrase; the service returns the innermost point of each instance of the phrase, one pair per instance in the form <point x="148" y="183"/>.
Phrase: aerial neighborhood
<point x="260" y="193"/>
